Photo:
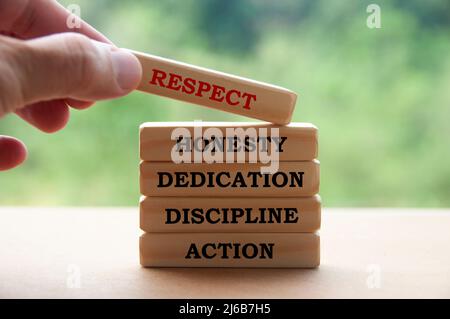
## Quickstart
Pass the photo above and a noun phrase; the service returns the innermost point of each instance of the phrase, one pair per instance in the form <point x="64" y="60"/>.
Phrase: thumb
<point x="67" y="65"/>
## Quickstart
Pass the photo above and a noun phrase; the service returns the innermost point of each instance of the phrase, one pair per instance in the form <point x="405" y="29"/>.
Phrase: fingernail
<point x="127" y="69"/>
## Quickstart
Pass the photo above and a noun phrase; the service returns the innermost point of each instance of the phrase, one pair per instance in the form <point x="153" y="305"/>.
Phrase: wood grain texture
<point x="301" y="143"/>
<point x="216" y="90"/>
<point x="41" y="247"/>
<point x="229" y="214"/>
<point x="290" y="250"/>
<point x="155" y="175"/>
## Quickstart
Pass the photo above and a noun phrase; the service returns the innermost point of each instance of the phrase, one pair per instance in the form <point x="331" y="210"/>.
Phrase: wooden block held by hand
<point x="230" y="214"/>
<point x="293" y="179"/>
<point x="295" y="142"/>
<point x="216" y="90"/>
<point x="238" y="250"/>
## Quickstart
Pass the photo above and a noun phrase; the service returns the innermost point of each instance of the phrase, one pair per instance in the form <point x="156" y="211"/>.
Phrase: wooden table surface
<point x="93" y="253"/>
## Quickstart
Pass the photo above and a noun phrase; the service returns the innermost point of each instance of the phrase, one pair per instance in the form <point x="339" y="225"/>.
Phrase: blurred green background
<point x="380" y="97"/>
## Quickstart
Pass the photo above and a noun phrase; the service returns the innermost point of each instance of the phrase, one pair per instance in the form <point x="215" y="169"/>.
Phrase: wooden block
<point x="274" y="250"/>
<point x="293" y="179"/>
<point x="230" y="214"/>
<point x="295" y="142"/>
<point x="216" y="90"/>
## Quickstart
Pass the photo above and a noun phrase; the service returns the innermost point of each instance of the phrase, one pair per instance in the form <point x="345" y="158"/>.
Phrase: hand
<point x="44" y="70"/>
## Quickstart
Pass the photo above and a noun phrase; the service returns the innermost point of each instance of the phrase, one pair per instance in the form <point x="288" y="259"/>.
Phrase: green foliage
<point x="380" y="97"/>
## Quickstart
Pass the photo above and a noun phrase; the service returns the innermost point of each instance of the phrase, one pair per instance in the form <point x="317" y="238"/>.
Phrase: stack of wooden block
<point x="213" y="214"/>
<point x="229" y="214"/>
